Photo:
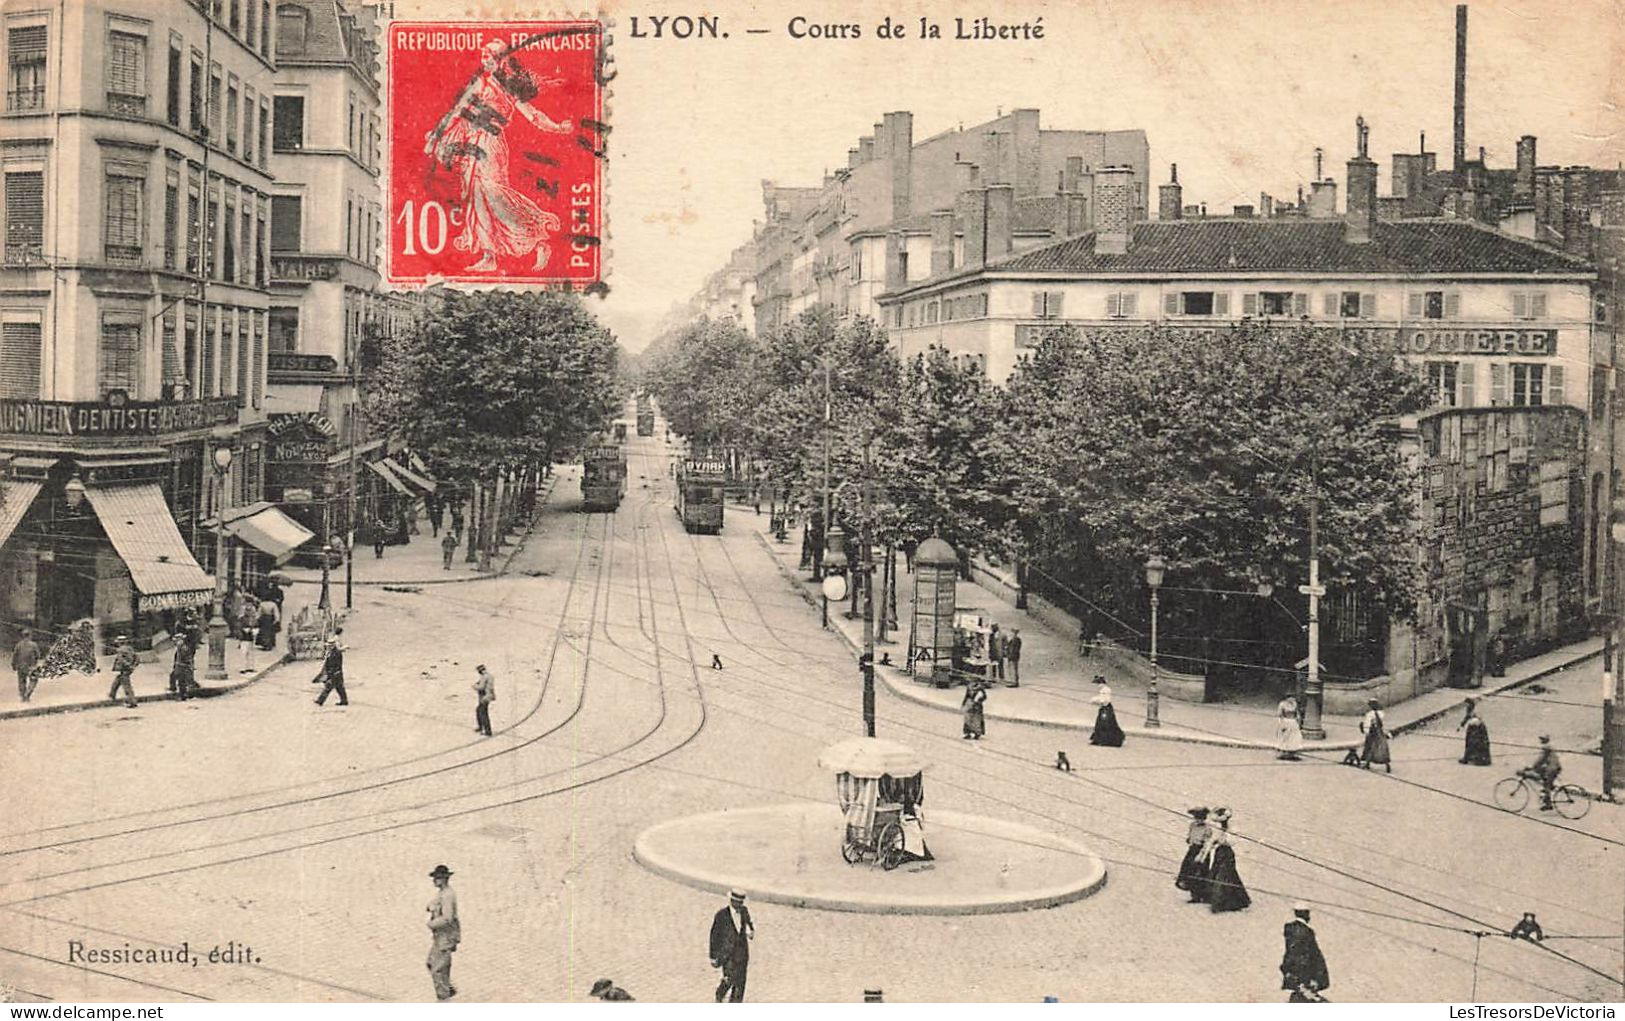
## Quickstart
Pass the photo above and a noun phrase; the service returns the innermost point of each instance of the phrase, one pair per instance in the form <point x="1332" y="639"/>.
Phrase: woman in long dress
<point x="975" y="723"/>
<point x="1106" y="733"/>
<point x="1192" y="876"/>
<point x="1376" y="738"/>
<point x="1288" y="735"/>
<point x="1476" y="751"/>
<point x="1226" y="892"/>
<point x="498" y="219"/>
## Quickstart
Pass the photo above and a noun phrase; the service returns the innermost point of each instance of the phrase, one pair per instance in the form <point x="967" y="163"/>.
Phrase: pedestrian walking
<point x="1012" y="656"/>
<point x="995" y="653"/>
<point x="181" y="673"/>
<point x="1192" y="876"/>
<point x="24" y="658"/>
<point x="125" y="661"/>
<point x="448" y="547"/>
<point x="437" y="515"/>
<point x="445" y="932"/>
<point x="975" y="722"/>
<point x="606" y="990"/>
<point x="1375" y="730"/>
<point x="716" y="661"/>
<point x="731" y="933"/>
<point x="332" y="673"/>
<point x="1288" y="734"/>
<point x="1303" y="967"/>
<point x="270" y="617"/>
<point x="379" y="533"/>
<point x="1107" y="733"/>
<point x="1225" y="890"/>
<point x="1476" y="748"/>
<point x="485" y="686"/>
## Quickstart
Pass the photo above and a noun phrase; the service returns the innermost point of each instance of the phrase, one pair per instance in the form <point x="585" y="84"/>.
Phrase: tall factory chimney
<point x="1461" y="86"/>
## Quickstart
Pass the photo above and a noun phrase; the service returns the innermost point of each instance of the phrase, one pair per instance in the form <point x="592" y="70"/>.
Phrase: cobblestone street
<point x="306" y="833"/>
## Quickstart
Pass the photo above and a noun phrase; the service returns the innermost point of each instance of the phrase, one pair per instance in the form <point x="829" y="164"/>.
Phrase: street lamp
<point x="73" y="491"/>
<point x="834" y="584"/>
<point x="1155" y="568"/>
<point x="217" y="623"/>
<point x="327" y="559"/>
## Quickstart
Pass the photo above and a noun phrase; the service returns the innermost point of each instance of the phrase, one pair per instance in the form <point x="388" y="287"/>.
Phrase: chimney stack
<point x="971" y="212"/>
<point x="866" y="149"/>
<point x="1360" y="220"/>
<point x="1461" y="86"/>
<point x="1266" y="205"/>
<point x="1524" y="184"/>
<point x="1073" y="171"/>
<point x="942" y="242"/>
<point x="852" y="159"/>
<point x="1170" y="196"/>
<point x="900" y="152"/>
<point x="1322" y="200"/>
<point x="1114" y="209"/>
<point x="1001" y="220"/>
<point x="1077" y="213"/>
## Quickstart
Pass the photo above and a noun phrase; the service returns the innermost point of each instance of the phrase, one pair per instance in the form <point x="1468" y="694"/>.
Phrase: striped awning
<point x="411" y="476"/>
<point x="15" y="498"/>
<point x="268" y="530"/>
<point x="138" y="523"/>
<point x="388" y="476"/>
<point x="422" y="469"/>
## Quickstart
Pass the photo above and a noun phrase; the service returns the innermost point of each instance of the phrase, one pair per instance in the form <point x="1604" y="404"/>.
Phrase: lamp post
<point x="217" y="623"/>
<point x="1312" y="692"/>
<point x="325" y="602"/>
<point x="1155" y="568"/>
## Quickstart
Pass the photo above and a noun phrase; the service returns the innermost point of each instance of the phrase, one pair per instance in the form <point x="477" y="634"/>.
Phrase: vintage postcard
<point x="1089" y="502"/>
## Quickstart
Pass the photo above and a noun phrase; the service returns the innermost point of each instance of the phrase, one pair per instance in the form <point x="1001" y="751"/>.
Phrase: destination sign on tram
<point x="703" y="466"/>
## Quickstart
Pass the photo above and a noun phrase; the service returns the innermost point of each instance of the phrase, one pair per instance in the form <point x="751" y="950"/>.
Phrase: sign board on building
<point x="704" y="466"/>
<point x="175" y="600"/>
<point x="113" y="418"/>
<point x="304" y="438"/>
<point x="294" y="361"/>
<point x="304" y="267"/>
<point x="297" y="496"/>
<point x="1424" y="340"/>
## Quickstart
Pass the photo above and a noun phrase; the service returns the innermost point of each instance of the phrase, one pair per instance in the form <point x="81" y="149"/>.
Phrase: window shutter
<point x="1413" y="305"/>
<point x="259" y="359"/>
<point x="1170" y="304"/>
<point x="1300" y="304"/>
<point x="1554" y="384"/>
<point x="1055" y="304"/>
<point x="173" y="373"/>
<point x="123" y="211"/>
<point x="1038" y="304"/>
<point x="25" y="215"/>
<point x="1221" y="303"/>
<point x="20" y="361"/>
<point x="1466" y="385"/>
<point x="1249" y="304"/>
<point x="1537" y="305"/>
<point x="27" y="44"/>
<point x="1368" y="306"/>
<point x="245" y="368"/>
<point x="1114" y="304"/>
<point x="1498" y="385"/>
<point x="285" y="213"/>
<point x="1131" y="303"/>
<point x="120" y="347"/>
<point x="1452" y="304"/>
<point x="126" y="64"/>
<point x="1520" y="305"/>
<point x="1329" y="304"/>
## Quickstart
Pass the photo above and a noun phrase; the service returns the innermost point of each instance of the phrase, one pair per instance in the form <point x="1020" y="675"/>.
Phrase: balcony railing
<point x="123" y="255"/>
<point x="25" y="253"/>
<point x="126" y="105"/>
<point x="31" y="98"/>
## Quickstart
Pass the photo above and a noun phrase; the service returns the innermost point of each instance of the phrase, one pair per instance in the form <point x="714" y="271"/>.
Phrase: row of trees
<point x="1102" y="449"/>
<point x="491" y="387"/>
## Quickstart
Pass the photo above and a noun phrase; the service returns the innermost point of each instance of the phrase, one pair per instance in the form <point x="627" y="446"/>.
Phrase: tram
<point x="699" y="494"/>
<point x="646" y="420"/>
<point x="603" y="476"/>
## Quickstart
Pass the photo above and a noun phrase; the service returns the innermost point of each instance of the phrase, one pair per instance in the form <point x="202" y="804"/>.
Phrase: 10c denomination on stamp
<point x="497" y="140"/>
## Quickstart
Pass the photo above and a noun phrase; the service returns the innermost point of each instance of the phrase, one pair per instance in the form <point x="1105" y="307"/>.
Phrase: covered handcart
<point x="880" y="787"/>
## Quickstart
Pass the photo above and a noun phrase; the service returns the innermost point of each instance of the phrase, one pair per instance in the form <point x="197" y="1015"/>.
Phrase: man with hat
<point x="333" y="672"/>
<point x="445" y="932"/>
<point x="125" y="661"/>
<point x="1303" y="968"/>
<point x="731" y="933"/>
<point x="1546" y="768"/>
<point x="606" y="990"/>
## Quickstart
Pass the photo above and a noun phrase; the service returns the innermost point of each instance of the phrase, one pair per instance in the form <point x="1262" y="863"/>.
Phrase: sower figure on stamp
<point x="445" y="932"/>
<point x="498" y="219"/>
<point x="1303" y="967"/>
<point x="731" y="933"/>
<point x="125" y="661"/>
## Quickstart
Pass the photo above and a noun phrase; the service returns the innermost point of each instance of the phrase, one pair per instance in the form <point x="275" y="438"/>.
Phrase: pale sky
<point x="1238" y="94"/>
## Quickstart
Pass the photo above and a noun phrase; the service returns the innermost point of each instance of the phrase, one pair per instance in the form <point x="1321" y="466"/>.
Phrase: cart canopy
<point x="872" y="757"/>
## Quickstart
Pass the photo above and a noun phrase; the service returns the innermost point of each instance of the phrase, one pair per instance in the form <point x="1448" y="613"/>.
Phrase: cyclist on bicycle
<point x="1545" y="768"/>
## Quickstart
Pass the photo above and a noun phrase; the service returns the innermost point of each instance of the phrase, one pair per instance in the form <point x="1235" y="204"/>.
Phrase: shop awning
<point x="389" y="477"/>
<point x="137" y="521"/>
<point x="15" y="498"/>
<point x="422" y="469"/>
<point x="409" y="475"/>
<point x="267" y="529"/>
<point x="296" y="398"/>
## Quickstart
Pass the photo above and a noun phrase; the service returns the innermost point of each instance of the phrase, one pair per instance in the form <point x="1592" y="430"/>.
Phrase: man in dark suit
<point x="333" y="672"/>
<point x="731" y="933"/>
<point x="1303" y="968"/>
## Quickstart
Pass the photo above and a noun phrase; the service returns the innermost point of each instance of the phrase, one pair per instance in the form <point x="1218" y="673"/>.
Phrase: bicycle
<point x="1571" y="801"/>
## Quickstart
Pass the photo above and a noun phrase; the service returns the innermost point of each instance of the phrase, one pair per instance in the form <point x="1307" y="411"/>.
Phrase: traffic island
<point x="791" y="854"/>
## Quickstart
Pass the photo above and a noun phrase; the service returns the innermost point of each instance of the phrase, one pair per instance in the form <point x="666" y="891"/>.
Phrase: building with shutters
<point x="328" y="316"/>
<point x="134" y="307"/>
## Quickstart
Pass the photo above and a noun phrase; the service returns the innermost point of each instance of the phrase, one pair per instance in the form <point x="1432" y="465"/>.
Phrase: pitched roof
<point x="1294" y="246"/>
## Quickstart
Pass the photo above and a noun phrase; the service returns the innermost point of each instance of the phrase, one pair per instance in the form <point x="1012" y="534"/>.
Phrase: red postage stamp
<point x="497" y="141"/>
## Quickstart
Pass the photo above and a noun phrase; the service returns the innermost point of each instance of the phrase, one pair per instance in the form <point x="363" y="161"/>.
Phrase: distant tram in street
<point x="620" y="431"/>
<point x="699" y="494"/>
<point x="646" y="420"/>
<point x="603" y="476"/>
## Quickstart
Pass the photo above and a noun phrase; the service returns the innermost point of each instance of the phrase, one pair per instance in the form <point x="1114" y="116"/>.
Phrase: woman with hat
<point x="1476" y="749"/>
<point x="1225" y="890"/>
<point x="1376" y="738"/>
<point x="445" y="932"/>
<point x="975" y="721"/>
<point x="1192" y="874"/>
<point x="1106" y="733"/>
<point x="1288" y="735"/>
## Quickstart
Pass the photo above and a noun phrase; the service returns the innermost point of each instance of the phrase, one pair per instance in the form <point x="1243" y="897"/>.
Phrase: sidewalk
<point x="417" y="563"/>
<point x="1056" y="683"/>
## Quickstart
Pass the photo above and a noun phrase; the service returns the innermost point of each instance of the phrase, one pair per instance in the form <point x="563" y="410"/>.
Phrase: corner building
<point x="134" y="301"/>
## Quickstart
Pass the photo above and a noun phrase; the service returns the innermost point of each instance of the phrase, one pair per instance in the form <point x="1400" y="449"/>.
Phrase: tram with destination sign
<point x="646" y="420"/>
<point x="603" y="475"/>
<point x="699" y="493"/>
